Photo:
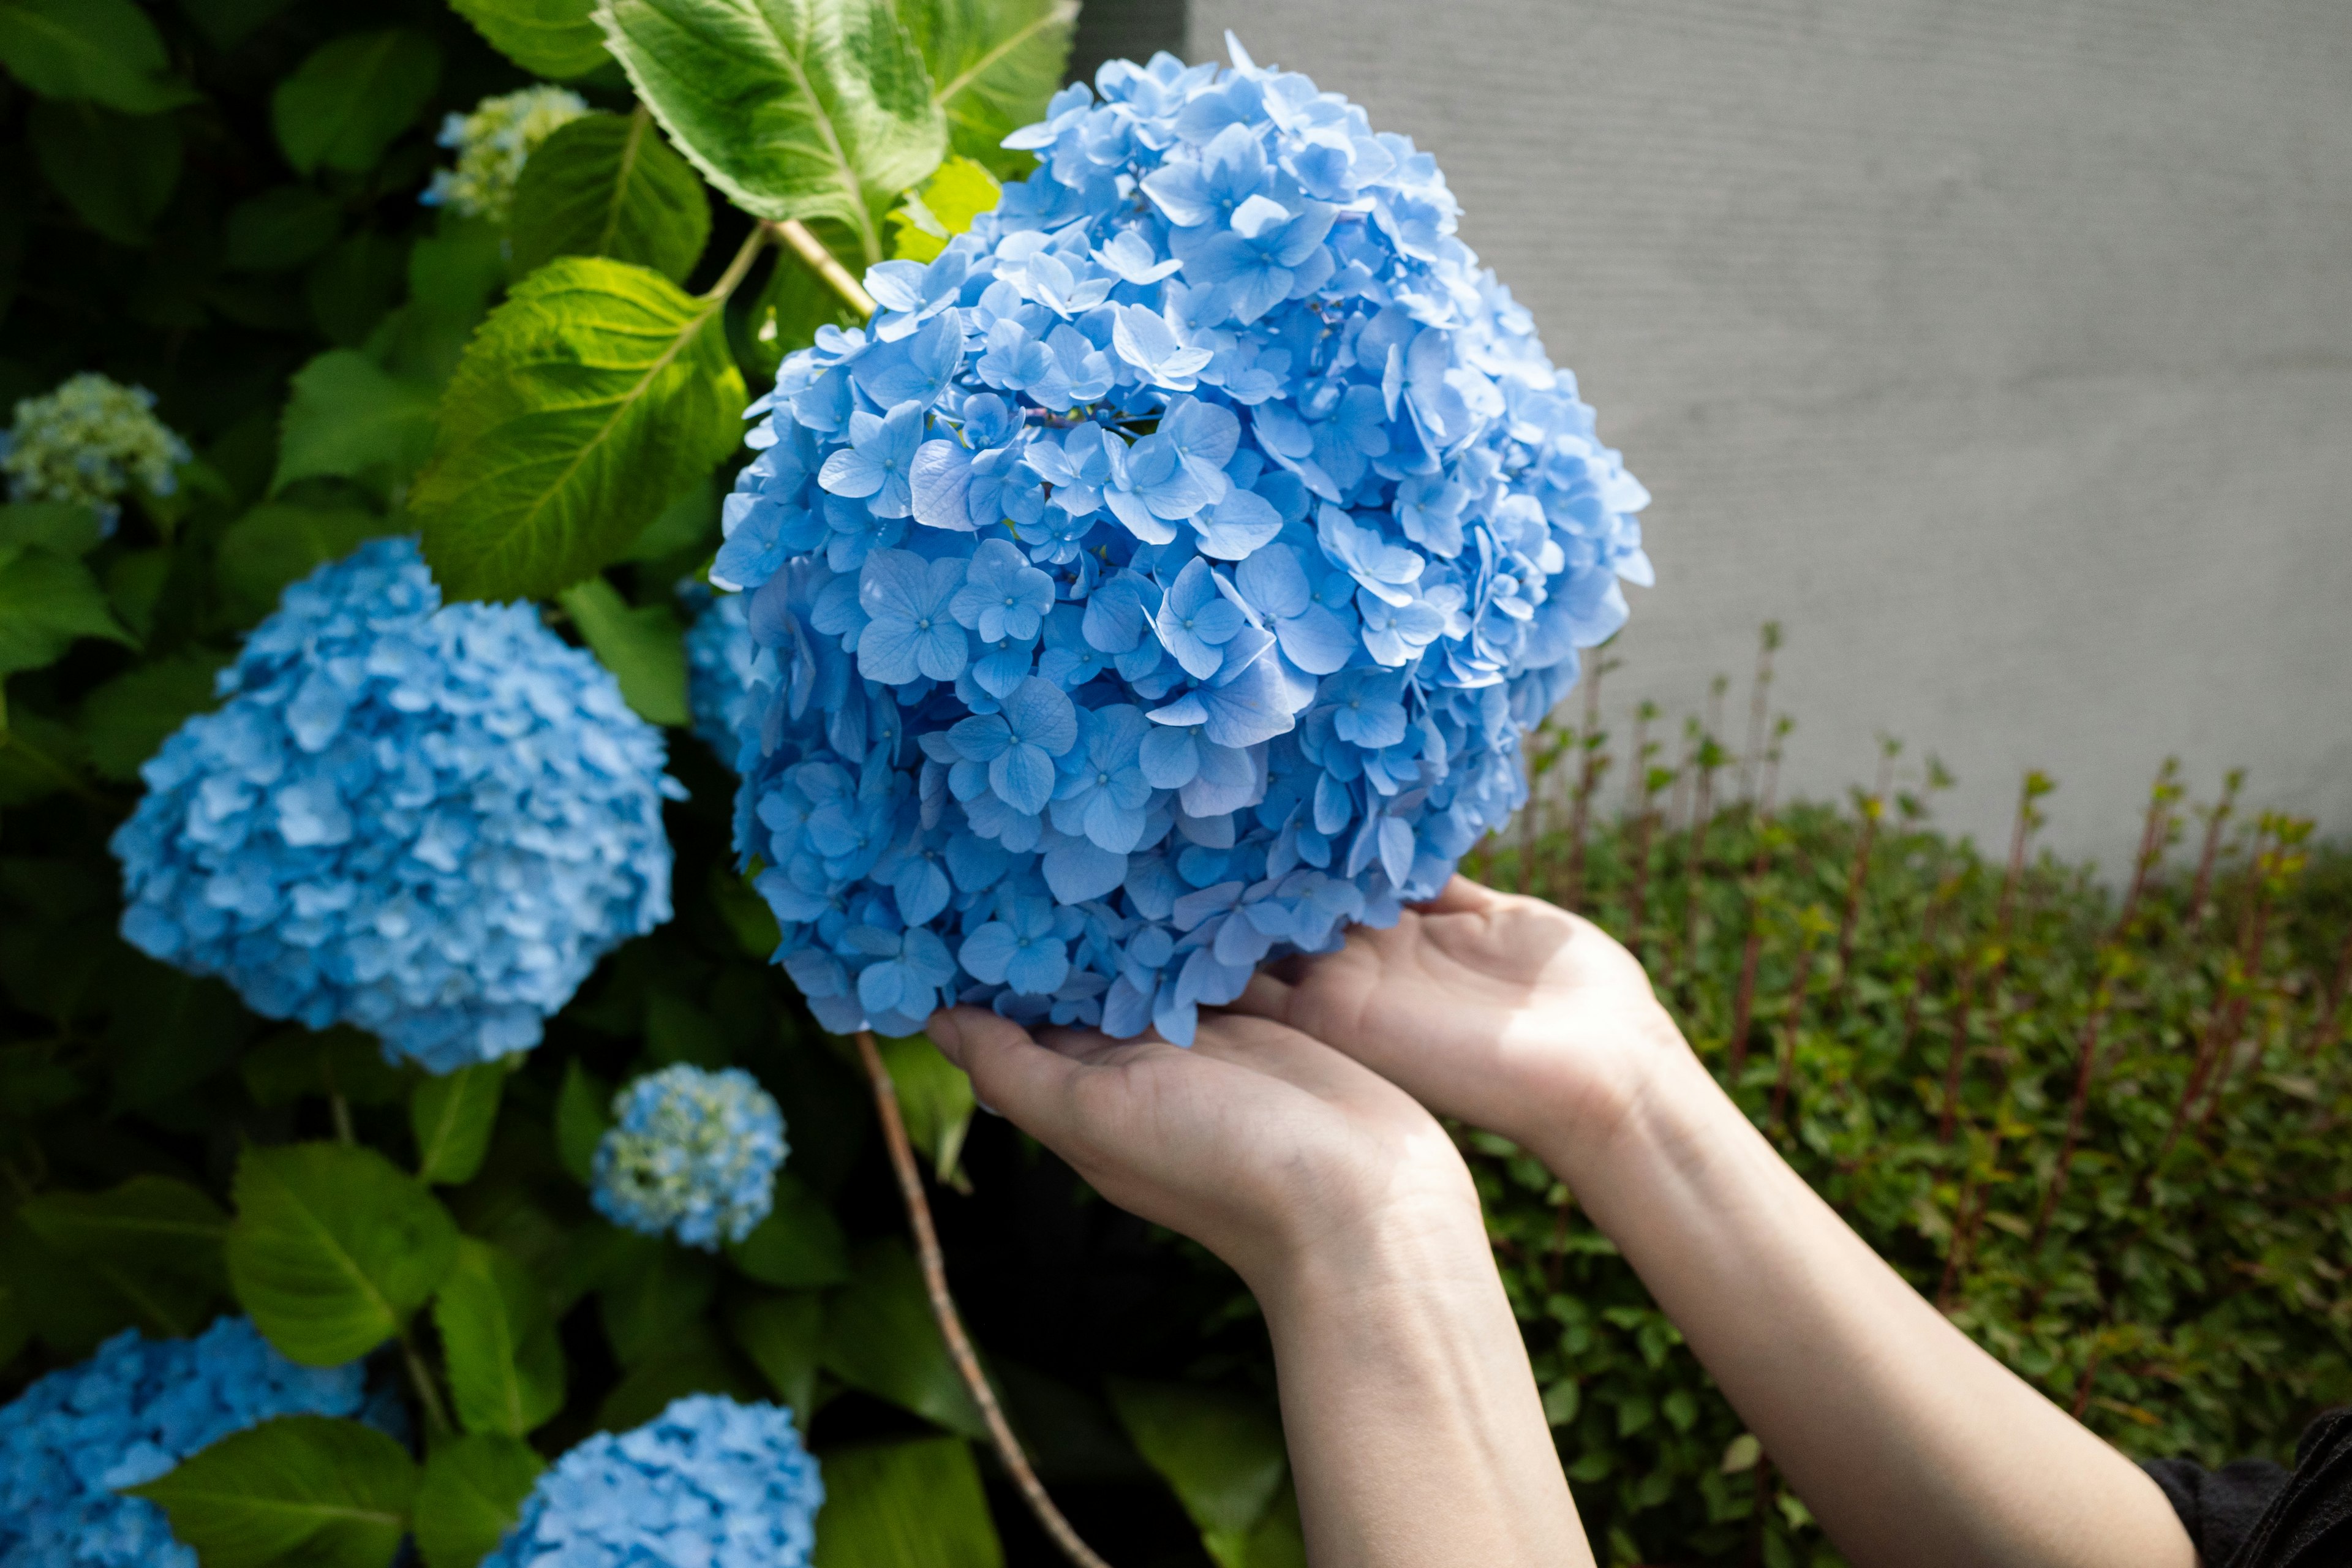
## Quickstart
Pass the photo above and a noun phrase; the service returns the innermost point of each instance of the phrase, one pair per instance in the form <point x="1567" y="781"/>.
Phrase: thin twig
<point x="943" y="1308"/>
<point x="814" y="255"/>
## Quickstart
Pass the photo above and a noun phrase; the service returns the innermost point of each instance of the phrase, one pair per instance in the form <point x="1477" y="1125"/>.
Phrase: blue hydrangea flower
<point x="721" y="663"/>
<point x="1166" y="574"/>
<point x="125" y="1416"/>
<point x="708" y="1481"/>
<point x="691" y="1154"/>
<point x="429" y="822"/>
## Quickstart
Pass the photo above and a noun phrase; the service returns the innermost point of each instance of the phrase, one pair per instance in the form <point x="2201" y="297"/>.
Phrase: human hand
<point x="1270" y="1149"/>
<point x="1507" y="1011"/>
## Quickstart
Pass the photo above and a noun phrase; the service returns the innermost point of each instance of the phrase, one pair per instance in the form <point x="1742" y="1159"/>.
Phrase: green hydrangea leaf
<point x="784" y="1335"/>
<point x="278" y="544"/>
<point x="116" y="172"/>
<point x="348" y="416"/>
<point x="587" y="401"/>
<point x="643" y="646"/>
<point x="497" y="1336"/>
<point x="556" y="38"/>
<point x="993" y="64"/>
<point x="333" y="1248"/>
<point x="59" y="526"/>
<point x="452" y="1115"/>
<point x="156" y="1241"/>
<point x="905" y="1505"/>
<point x="472" y="1494"/>
<point x="796" y="108"/>
<point x="344" y="104"/>
<point x="46" y="602"/>
<point x="921" y="225"/>
<point x="279" y="230"/>
<point x="124" y="722"/>
<point x="607" y="185"/>
<point x="799" y="1245"/>
<point x="880" y="1336"/>
<point x="103" y="50"/>
<point x="301" y="1491"/>
<point x="1221" y="1452"/>
<point x="582" y="1113"/>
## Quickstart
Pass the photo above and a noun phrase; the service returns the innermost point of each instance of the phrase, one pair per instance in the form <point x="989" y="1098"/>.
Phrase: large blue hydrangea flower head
<point x="1165" y="576"/>
<point x="720" y="666"/>
<point x="428" y="821"/>
<point x="691" y="1154"/>
<point x="125" y="1416"/>
<point x="708" y="1481"/>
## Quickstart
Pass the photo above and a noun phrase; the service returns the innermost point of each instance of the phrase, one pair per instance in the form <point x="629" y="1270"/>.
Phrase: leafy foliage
<point x="300" y="1489"/>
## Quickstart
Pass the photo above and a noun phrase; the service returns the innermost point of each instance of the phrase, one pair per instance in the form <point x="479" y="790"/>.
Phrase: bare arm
<point x="1912" y="1446"/>
<point x="1415" y="1435"/>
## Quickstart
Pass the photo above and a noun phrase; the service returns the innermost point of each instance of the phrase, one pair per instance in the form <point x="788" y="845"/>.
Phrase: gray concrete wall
<point x="2002" y="349"/>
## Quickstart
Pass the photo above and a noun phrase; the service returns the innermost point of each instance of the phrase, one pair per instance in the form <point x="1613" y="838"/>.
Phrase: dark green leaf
<point x="301" y="1491"/>
<point x="546" y="37"/>
<point x="280" y="228"/>
<point x="993" y="64"/>
<point x="103" y="50"/>
<point x="693" y="1362"/>
<point x="689" y="523"/>
<point x="352" y="285"/>
<point x="784" y="1335"/>
<point x="55" y="526"/>
<point x="333" y="1248"/>
<point x="796" y="108"/>
<point x="505" y="1369"/>
<point x="747" y="914"/>
<point x="125" y="720"/>
<point x="340" y="1061"/>
<point x="588" y="400"/>
<point x="452" y="274"/>
<point x="344" y="104"/>
<point x="47" y="601"/>
<point x="1221" y="1452"/>
<point x="935" y="1096"/>
<point x="905" y="1505"/>
<point x="348" y="417"/>
<point x="227" y="22"/>
<point x="799" y="1245"/>
<point x="276" y="544"/>
<point x="880" y="1336"/>
<point x="653" y="1291"/>
<point x="607" y="185"/>
<point x="472" y="1494"/>
<point x="451" y="1115"/>
<point x="643" y="646"/>
<point x="582" y="1111"/>
<point x="63" y="1301"/>
<point x="135" y="580"/>
<point x="156" y="1242"/>
<point x="117" y="173"/>
<point x="921" y="225"/>
<point x="792" y="305"/>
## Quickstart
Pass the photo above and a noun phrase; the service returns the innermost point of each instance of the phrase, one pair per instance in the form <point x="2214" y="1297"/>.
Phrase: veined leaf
<point x="280" y="228"/>
<point x="58" y="526"/>
<point x="103" y="50"/>
<point x="936" y="1097"/>
<point x="452" y="1115"/>
<point x="505" y="1369"/>
<point x="799" y="1245"/>
<point x="301" y="1491"/>
<point x="156" y="1241"/>
<point x="654" y="1292"/>
<point x="48" y="599"/>
<point x="905" y="1505"/>
<point x="333" y="1248"/>
<point x="547" y="37"/>
<point x="1220" y="1453"/>
<point x="344" y="104"/>
<point x="880" y="1336"/>
<point x="125" y="720"/>
<point x="348" y="416"/>
<point x="921" y="225"/>
<point x="582" y="1113"/>
<point x="472" y="1493"/>
<point x="796" y="108"/>
<point x="643" y="646"/>
<point x="607" y="185"/>
<point x="993" y="64"/>
<point x="783" y="1334"/>
<point x="588" y="400"/>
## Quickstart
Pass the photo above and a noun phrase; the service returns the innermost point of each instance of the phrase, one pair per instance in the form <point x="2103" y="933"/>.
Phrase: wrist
<point x="1654" y="1106"/>
<point x="1423" y="1232"/>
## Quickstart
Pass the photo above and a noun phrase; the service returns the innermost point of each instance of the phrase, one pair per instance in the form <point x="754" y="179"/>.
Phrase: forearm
<point x="1415" y="1433"/>
<point x="1911" y="1444"/>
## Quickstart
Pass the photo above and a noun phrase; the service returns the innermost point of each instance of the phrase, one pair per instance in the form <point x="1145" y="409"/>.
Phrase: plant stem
<point x="814" y="255"/>
<point x="744" y="256"/>
<point x="1796" y="1018"/>
<point x="2325" y="1029"/>
<point x="428" y="1392"/>
<point x="943" y="1308"/>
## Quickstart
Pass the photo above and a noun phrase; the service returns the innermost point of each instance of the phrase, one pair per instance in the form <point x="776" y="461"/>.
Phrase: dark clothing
<point x="2254" y="1514"/>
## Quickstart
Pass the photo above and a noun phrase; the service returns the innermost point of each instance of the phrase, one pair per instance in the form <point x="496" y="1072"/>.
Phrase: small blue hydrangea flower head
<point x="708" y="1481"/>
<point x="426" y="821"/>
<point x="89" y="443"/>
<point x="1166" y="574"/>
<point x="492" y="145"/>
<point x="132" y="1412"/>
<point x="720" y="665"/>
<point x="691" y="1154"/>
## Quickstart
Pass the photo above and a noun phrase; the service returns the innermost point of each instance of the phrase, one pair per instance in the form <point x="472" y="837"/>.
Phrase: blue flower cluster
<point x="1165" y="575"/>
<point x="719" y="665"/>
<point x="429" y="822"/>
<point x="708" y="1481"/>
<point x="692" y="1154"/>
<point x="125" y="1416"/>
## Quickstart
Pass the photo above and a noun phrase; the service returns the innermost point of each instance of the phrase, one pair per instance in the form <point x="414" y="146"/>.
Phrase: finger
<point x="1461" y="896"/>
<point x="1279" y="1051"/>
<point x="1266" y="996"/>
<point x="1094" y="1048"/>
<point x="1020" y="1078"/>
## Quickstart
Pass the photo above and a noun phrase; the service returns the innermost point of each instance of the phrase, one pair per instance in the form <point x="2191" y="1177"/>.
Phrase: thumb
<point x="1014" y="1075"/>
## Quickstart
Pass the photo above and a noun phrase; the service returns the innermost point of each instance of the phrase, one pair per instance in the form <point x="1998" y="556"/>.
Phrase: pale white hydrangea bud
<point x="89" y="443"/>
<point x="492" y="143"/>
